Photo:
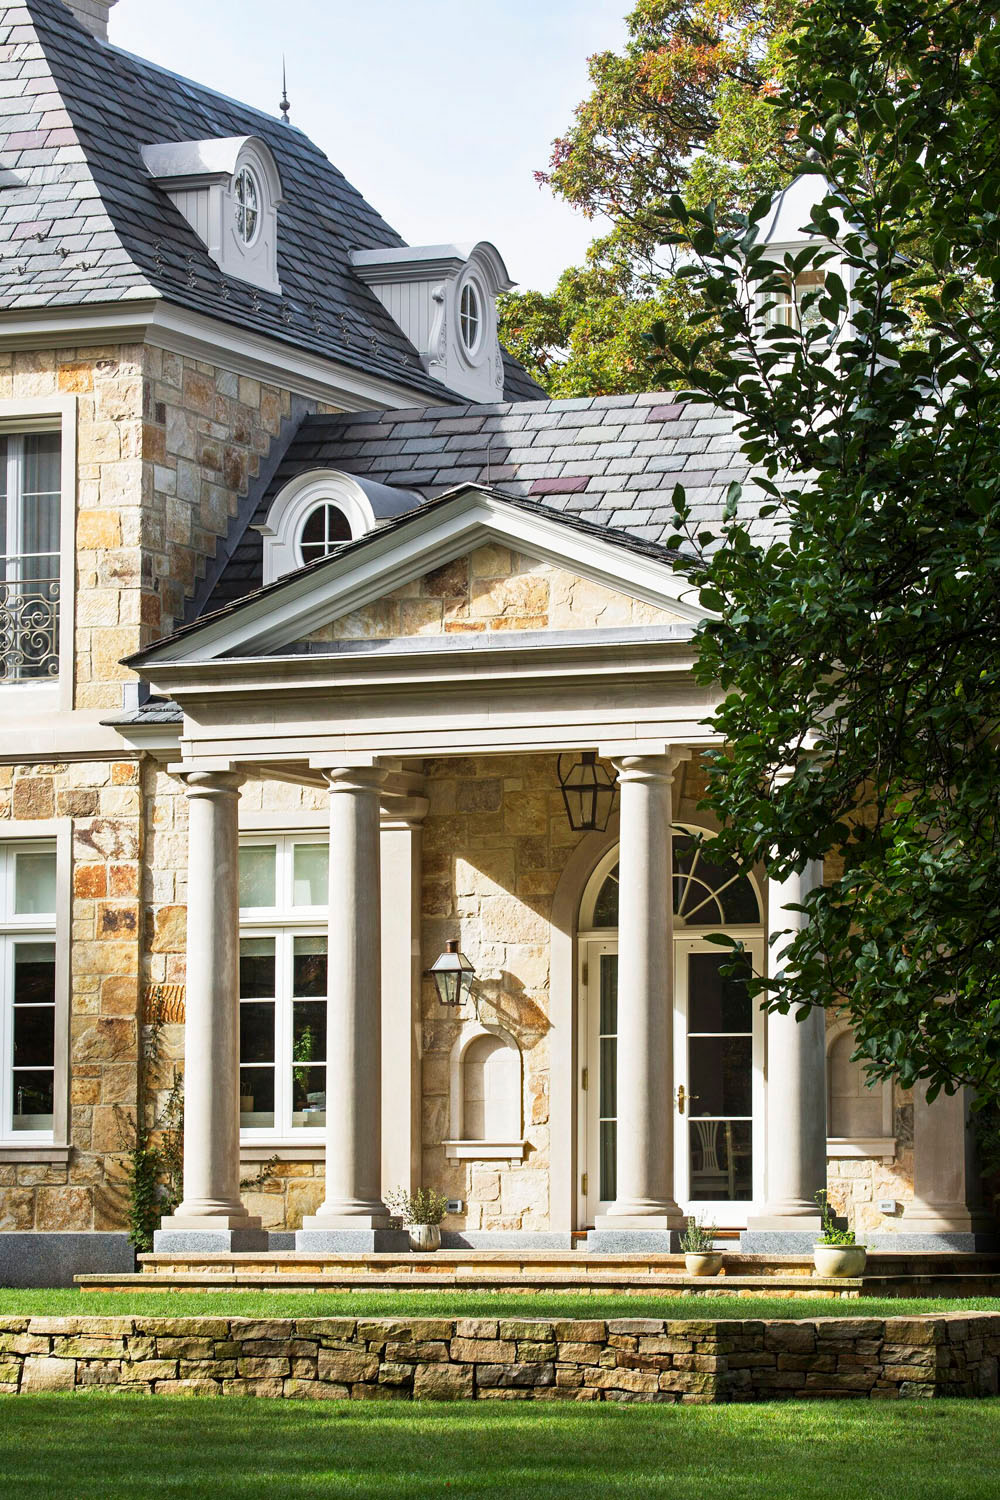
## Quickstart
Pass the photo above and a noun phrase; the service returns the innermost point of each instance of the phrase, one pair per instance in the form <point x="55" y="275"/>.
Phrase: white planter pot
<point x="425" y="1236"/>
<point x="839" y="1260"/>
<point x="703" y="1263"/>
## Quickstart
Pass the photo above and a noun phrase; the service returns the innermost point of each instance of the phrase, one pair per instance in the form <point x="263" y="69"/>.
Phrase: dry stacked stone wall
<point x="626" y="1359"/>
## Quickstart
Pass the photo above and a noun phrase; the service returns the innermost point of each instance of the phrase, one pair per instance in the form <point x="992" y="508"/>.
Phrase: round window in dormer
<point x="246" y="199"/>
<point x="324" y="529"/>
<point x="470" y="318"/>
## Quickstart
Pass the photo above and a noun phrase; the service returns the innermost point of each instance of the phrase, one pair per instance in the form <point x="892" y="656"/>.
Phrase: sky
<point x="438" y="111"/>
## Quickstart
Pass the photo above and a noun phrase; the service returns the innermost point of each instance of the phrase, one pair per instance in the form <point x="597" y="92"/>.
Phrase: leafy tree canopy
<point x="684" y="109"/>
<point x="856" y="629"/>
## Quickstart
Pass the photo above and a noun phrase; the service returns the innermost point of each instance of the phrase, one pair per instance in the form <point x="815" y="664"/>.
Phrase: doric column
<point x="795" y="1150"/>
<point x="645" y="1153"/>
<point x="352" y="1205"/>
<point x="402" y="827"/>
<point x="211" y="1215"/>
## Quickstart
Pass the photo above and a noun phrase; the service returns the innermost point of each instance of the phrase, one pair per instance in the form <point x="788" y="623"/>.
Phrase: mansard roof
<point x="611" y="461"/>
<point x="85" y="223"/>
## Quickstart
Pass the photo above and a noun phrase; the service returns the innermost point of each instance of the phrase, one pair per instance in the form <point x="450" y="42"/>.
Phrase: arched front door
<point x="718" y="1040"/>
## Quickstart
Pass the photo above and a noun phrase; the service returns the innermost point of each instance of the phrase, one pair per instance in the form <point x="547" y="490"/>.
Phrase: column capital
<point x="212" y="783"/>
<point x="354" y="778"/>
<point x="650" y="768"/>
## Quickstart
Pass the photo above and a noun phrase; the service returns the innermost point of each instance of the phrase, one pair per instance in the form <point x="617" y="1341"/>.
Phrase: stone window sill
<point x="484" y="1150"/>
<point x="263" y="1151"/>
<point x="45" y="1155"/>
<point x="862" y="1146"/>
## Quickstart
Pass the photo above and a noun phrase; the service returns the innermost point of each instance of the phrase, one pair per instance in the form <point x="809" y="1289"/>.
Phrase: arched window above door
<point x="707" y="892"/>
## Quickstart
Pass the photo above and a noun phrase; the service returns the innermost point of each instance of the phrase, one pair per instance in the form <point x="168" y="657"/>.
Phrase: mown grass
<point x="478" y="1304"/>
<point x="95" y="1446"/>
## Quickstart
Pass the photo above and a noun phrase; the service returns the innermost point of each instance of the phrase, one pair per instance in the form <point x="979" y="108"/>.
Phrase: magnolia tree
<point x="855" y="606"/>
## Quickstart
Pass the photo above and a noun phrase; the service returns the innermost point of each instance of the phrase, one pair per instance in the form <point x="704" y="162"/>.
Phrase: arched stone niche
<point x="487" y="1091"/>
<point x="859" y="1118"/>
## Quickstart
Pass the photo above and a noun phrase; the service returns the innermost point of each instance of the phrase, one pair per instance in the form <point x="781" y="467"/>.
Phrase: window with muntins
<point x="325" y="529"/>
<point x="707" y="892"/>
<point x="284" y="886"/>
<point x="27" y="989"/>
<point x="29" y="556"/>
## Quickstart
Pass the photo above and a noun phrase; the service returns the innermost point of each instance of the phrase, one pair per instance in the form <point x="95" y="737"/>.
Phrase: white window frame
<point x="17" y="838"/>
<point x="18" y="418"/>
<point x="284" y="923"/>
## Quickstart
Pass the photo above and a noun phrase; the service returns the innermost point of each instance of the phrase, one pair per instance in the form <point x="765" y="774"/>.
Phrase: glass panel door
<point x="600" y="1079"/>
<point x="718" y="1072"/>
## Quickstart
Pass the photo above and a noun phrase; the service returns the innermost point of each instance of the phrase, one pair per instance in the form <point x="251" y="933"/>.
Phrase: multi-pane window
<point x="323" y="530"/>
<point x="283" y="919"/>
<point x="470" y="317"/>
<point x="785" y="306"/>
<point x="27" y="988"/>
<point x="29" y="556"/>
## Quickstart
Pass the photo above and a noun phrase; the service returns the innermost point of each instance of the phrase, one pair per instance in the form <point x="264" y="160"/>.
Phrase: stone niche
<point x="486" y="1093"/>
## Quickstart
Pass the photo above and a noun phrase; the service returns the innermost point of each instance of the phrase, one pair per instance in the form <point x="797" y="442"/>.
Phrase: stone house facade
<point x="310" y="598"/>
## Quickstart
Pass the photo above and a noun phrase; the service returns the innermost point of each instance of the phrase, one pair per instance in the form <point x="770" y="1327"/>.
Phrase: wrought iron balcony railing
<point x="29" y="629"/>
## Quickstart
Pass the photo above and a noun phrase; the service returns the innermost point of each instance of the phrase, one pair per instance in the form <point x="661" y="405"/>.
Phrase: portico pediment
<point x="473" y="563"/>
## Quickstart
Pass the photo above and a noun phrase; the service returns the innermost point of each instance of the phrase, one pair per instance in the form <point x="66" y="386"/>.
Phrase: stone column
<point x="211" y="1216"/>
<point x="945" y="1212"/>
<point x="644" y="1215"/>
<point x="795" y="1150"/>
<point x="402" y="825"/>
<point x="352" y="1214"/>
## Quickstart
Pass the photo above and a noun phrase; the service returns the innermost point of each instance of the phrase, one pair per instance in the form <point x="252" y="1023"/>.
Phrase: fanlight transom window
<point x="707" y="892"/>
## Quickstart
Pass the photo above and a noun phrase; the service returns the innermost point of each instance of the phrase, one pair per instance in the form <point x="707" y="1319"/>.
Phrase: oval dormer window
<point x="470" y="316"/>
<point x="324" y="529"/>
<point x="246" y="203"/>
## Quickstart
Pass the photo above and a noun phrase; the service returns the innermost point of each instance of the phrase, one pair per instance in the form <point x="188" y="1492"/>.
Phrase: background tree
<point x="682" y="109"/>
<point x="861" y="646"/>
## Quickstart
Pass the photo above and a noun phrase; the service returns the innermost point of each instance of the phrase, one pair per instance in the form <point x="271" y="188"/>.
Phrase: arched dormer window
<point x="312" y="518"/>
<point x="229" y="190"/>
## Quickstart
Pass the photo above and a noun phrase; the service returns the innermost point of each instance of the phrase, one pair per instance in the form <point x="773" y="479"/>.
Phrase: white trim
<point x="292" y="507"/>
<point x="159" y="323"/>
<point x="49" y="831"/>
<point x="469" y="519"/>
<point x="484" y="1150"/>
<point x="40" y="414"/>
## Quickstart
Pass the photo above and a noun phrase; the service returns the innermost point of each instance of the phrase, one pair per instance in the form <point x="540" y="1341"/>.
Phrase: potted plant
<point x="421" y="1212"/>
<point x="835" y="1252"/>
<point x="700" y="1259"/>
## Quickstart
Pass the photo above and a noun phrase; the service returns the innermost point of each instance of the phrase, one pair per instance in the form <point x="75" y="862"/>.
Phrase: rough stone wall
<point x="492" y="588"/>
<point x="103" y="799"/>
<point x="507" y="1359"/>
<point x="496" y="839"/>
<point x="857" y="1184"/>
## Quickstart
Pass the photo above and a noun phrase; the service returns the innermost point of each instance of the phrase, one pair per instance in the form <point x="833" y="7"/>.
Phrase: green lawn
<point x="100" y="1447"/>
<point x="468" y="1305"/>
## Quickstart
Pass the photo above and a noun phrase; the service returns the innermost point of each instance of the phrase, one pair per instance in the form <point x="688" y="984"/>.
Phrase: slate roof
<point x="609" y="460"/>
<point x="83" y="222"/>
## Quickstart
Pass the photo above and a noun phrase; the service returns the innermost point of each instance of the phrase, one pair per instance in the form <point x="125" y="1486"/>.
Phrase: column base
<point x="619" y="1234"/>
<point x="931" y="1243"/>
<point x="226" y="1233"/>
<point x="359" y="1239"/>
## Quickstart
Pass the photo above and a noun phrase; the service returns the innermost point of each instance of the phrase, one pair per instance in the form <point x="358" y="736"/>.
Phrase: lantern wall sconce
<point x="453" y="976"/>
<point x="589" y="791"/>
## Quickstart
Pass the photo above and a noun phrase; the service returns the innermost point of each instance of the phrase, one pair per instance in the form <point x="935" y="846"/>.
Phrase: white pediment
<point x="383" y="564"/>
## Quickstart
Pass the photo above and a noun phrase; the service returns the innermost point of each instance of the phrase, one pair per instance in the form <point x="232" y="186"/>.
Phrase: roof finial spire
<point x="284" y="106"/>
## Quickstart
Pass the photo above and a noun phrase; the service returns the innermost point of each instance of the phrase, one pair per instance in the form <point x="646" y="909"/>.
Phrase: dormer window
<point x="324" y="529"/>
<point x="444" y="299"/>
<point x="471" y="318"/>
<point x="786" y="309"/>
<point x="229" y="191"/>
<point x="246" y="198"/>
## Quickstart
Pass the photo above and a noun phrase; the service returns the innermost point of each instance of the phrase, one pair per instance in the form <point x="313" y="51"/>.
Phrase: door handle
<point x="683" y="1097"/>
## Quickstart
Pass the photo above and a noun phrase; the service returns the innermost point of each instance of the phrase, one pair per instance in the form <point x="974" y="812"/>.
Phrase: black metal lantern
<point x="589" y="791"/>
<point x="453" y="975"/>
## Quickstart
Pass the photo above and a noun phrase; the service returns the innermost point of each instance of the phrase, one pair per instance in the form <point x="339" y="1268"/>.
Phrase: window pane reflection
<point x="721" y="1160"/>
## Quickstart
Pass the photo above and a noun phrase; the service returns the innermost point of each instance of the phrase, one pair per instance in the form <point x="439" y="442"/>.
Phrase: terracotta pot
<point x="425" y="1236"/>
<point x="839" y="1260"/>
<point x="703" y="1263"/>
